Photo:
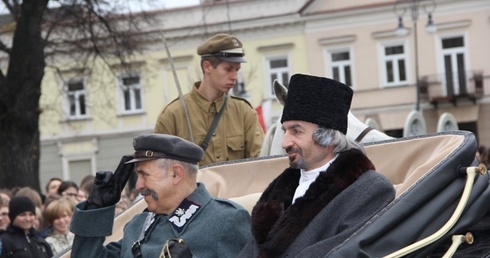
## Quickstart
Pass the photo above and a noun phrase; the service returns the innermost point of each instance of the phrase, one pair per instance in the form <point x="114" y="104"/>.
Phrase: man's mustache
<point x="146" y="192"/>
<point x="292" y="149"/>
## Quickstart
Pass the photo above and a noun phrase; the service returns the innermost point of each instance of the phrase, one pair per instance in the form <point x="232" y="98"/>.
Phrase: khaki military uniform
<point x="238" y="134"/>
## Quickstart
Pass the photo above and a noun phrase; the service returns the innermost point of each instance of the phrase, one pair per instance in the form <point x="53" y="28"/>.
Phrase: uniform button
<point x="214" y="134"/>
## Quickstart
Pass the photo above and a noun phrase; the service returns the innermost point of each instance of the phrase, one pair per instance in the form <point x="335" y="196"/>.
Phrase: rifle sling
<point x="205" y="143"/>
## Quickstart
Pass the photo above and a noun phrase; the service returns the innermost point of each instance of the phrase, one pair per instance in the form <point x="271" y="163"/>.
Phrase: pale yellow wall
<point x="307" y="55"/>
<point x="50" y="103"/>
<point x="263" y="26"/>
<point x="159" y="86"/>
<point x="366" y="31"/>
<point x="329" y="5"/>
<point x="256" y="57"/>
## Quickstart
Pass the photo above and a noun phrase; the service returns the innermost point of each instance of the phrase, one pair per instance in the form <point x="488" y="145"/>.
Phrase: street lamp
<point x="401" y="7"/>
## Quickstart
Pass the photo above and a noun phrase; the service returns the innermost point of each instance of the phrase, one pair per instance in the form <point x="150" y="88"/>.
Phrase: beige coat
<point x="237" y="136"/>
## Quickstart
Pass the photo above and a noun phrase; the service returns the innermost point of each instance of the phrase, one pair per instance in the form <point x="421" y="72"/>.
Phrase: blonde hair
<point x="56" y="209"/>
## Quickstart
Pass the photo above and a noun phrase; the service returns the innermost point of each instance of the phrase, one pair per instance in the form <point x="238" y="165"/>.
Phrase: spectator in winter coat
<point x="20" y="238"/>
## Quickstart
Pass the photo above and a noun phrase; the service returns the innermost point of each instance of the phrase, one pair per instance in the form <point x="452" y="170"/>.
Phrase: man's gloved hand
<point x="107" y="187"/>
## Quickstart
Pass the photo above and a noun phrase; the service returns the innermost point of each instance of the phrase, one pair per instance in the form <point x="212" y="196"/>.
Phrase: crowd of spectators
<point x="53" y="209"/>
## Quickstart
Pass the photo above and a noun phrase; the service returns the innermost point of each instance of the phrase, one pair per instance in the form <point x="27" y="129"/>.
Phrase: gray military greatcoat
<point x="211" y="227"/>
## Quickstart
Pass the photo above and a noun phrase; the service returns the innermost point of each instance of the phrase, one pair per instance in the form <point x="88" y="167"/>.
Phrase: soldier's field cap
<point x="223" y="46"/>
<point x="158" y="146"/>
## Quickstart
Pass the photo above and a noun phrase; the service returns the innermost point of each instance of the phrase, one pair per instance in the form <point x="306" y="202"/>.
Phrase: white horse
<point x="356" y="130"/>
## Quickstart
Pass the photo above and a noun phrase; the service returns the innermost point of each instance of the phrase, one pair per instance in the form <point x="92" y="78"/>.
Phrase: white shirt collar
<point x="308" y="177"/>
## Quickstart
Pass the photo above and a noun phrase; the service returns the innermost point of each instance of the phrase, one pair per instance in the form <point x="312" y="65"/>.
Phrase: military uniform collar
<point x="188" y="209"/>
<point x="205" y="104"/>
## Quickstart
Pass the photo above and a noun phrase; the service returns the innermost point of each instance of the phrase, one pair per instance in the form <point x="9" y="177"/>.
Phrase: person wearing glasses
<point x="182" y="217"/>
<point x="237" y="133"/>
<point x="69" y="189"/>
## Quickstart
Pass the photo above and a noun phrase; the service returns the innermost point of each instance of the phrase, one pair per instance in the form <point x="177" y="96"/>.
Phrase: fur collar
<point x="276" y="223"/>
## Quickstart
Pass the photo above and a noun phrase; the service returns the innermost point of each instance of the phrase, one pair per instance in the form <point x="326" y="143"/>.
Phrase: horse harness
<point x="363" y="133"/>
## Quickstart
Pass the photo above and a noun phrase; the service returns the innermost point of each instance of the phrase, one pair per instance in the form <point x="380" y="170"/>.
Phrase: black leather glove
<point x="175" y="248"/>
<point x="107" y="187"/>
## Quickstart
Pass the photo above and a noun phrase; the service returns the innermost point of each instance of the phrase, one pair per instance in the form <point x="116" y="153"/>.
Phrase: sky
<point x="179" y="3"/>
<point x="136" y="4"/>
<point x="162" y="3"/>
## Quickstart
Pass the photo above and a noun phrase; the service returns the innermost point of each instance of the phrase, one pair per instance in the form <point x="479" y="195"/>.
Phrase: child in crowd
<point x="58" y="216"/>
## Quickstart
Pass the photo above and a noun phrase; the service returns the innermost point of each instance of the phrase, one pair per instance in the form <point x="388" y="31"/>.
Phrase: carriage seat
<point x="403" y="161"/>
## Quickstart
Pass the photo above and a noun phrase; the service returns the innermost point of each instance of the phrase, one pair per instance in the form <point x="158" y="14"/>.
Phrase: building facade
<point x="90" y="117"/>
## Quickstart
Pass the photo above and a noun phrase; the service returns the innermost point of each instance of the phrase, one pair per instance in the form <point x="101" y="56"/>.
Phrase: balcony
<point x="451" y="87"/>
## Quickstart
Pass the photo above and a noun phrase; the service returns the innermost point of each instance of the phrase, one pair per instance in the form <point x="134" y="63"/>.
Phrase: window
<point x="78" y="169"/>
<point x="76" y="99"/>
<point x="394" y="64"/>
<point x="131" y="93"/>
<point x="239" y="89"/>
<point x="341" y="67"/>
<point x="278" y="69"/>
<point x="453" y="53"/>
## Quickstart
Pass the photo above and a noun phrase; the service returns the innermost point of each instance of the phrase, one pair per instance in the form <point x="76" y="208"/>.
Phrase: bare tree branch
<point x="78" y="30"/>
<point x="4" y="48"/>
<point x="14" y="8"/>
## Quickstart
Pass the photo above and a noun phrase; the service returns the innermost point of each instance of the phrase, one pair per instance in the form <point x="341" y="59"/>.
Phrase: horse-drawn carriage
<point x="440" y="197"/>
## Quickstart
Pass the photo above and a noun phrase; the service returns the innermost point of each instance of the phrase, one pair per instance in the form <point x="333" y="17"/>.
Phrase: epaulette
<point x="228" y="202"/>
<point x="166" y="106"/>
<point x="246" y="101"/>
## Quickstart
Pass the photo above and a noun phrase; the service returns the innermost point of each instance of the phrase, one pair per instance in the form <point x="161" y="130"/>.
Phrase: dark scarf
<point x="276" y="223"/>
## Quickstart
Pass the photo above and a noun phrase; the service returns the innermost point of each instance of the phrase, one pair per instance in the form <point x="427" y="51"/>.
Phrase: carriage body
<point x="425" y="171"/>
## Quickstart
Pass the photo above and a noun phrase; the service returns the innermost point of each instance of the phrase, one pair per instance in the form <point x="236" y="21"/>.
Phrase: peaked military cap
<point x="223" y="46"/>
<point x="157" y="146"/>
<point x="318" y="100"/>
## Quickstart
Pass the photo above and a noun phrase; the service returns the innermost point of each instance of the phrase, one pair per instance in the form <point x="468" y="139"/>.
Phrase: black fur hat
<point x="318" y="100"/>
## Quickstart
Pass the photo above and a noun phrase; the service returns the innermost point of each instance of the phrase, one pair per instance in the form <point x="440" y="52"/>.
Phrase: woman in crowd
<point x="20" y="239"/>
<point x="58" y="216"/>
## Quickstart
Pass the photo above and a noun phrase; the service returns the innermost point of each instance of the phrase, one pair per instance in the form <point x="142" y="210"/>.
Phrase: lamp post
<point x="414" y="6"/>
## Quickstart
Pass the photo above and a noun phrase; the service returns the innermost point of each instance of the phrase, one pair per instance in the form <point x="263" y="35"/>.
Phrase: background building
<point x="90" y="117"/>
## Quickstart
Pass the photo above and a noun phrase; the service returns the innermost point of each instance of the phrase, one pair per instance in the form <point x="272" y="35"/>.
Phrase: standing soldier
<point x="226" y="127"/>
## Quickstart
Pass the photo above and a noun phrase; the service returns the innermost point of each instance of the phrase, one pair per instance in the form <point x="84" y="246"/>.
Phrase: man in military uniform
<point x="238" y="133"/>
<point x="178" y="207"/>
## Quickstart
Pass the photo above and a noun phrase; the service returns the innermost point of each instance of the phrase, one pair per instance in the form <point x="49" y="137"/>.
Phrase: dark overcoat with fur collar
<point x="336" y="204"/>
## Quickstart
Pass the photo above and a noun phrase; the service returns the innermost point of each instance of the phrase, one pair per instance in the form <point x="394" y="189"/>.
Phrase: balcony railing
<point x="451" y="87"/>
